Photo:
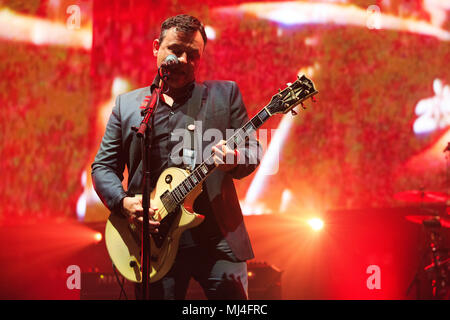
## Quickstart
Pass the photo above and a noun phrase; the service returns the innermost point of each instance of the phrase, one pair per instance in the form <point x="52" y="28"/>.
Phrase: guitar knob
<point x="168" y="179"/>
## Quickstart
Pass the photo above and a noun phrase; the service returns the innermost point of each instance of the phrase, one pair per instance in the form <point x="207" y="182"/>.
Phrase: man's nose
<point x="182" y="58"/>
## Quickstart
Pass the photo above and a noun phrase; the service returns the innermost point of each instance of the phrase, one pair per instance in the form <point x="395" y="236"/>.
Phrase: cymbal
<point x="430" y="221"/>
<point x="421" y="196"/>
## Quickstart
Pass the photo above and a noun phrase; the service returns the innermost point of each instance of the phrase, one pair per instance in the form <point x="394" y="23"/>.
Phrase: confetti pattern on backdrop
<point x="351" y="149"/>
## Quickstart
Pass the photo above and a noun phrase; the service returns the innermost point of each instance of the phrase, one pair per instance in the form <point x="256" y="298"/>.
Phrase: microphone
<point x="169" y="63"/>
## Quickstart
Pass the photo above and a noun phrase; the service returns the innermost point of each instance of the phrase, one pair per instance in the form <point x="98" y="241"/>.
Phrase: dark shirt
<point x="166" y="120"/>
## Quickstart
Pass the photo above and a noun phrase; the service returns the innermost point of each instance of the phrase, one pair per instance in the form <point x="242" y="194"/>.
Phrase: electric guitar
<point x="174" y="196"/>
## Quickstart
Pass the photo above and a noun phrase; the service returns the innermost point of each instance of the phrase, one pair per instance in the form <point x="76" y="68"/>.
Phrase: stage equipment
<point x="437" y="272"/>
<point x="264" y="283"/>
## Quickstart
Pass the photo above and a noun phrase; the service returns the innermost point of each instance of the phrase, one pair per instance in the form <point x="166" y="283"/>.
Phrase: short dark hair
<point x="184" y="23"/>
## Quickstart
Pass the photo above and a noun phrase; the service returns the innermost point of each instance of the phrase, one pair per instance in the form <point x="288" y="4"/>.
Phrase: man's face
<point x="187" y="47"/>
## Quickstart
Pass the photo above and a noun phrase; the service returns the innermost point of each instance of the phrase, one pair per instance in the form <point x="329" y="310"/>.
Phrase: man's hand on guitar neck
<point x="132" y="208"/>
<point x="225" y="159"/>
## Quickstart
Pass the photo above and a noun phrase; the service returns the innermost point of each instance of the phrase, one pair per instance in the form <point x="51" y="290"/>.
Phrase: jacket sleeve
<point x="109" y="163"/>
<point x="250" y="152"/>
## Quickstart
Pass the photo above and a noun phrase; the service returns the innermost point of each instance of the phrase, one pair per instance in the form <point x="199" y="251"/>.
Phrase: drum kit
<point x="435" y="264"/>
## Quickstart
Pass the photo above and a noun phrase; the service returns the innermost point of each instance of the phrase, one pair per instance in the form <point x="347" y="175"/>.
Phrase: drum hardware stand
<point x="439" y="269"/>
<point x="436" y="271"/>
<point x="440" y="282"/>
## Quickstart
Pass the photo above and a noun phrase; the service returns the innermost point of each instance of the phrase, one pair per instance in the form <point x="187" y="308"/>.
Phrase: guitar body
<point x="123" y="239"/>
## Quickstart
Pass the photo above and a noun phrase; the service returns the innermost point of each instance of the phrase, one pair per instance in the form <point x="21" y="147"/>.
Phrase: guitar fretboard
<point x="199" y="174"/>
<point x="282" y="102"/>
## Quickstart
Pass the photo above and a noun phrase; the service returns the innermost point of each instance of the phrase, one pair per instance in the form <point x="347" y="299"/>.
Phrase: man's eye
<point x="194" y="56"/>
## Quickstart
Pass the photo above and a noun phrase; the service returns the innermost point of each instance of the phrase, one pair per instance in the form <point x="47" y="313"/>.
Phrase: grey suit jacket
<point x="222" y="109"/>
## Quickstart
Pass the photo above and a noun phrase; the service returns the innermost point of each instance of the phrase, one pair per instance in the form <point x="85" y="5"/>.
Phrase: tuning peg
<point x="303" y="106"/>
<point x="293" y="112"/>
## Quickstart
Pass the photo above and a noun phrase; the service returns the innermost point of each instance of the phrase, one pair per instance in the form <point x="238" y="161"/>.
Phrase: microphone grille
<point x="171" y="58"/>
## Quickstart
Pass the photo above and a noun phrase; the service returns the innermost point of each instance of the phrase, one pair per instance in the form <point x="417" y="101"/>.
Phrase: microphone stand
<point x="144" y="133"/>
<point x="447" y="158"/>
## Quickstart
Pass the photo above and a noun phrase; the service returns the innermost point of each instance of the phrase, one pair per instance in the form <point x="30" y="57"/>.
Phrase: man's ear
<point x="155" y="47"/>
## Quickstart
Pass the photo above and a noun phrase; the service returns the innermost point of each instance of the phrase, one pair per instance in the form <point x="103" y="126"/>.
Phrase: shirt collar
<point x="189" y="88"/>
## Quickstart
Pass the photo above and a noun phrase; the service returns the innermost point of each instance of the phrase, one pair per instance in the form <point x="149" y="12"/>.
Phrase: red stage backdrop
<point x="378" y="128"/>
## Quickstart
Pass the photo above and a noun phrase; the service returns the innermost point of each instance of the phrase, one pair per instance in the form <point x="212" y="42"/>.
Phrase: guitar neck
<point x="282" y="102"/>
<point x="199" y="174"/>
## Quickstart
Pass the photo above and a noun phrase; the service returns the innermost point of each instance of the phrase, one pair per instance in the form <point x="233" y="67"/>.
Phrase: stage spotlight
<point x="15" y="26"/>
<point x="210" y="32"/>
<point x="316" y="224"/>
<point x="98" y="236"/>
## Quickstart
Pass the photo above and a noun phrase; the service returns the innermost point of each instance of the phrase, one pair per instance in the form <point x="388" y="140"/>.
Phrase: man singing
<point x="215" y="252"/>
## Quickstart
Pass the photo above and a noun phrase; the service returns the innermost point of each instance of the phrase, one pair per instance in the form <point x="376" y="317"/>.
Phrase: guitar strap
<point x="193" y="129"/>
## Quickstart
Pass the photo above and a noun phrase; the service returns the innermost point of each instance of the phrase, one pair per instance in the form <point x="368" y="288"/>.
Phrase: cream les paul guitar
<point x="174" y="196"/>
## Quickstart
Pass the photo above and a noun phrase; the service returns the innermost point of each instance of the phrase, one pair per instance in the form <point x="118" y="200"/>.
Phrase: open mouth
<point x="178" y="73"/>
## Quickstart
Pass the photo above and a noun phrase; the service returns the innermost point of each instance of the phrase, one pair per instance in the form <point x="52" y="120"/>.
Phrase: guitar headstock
<point x="292" y="95"/>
